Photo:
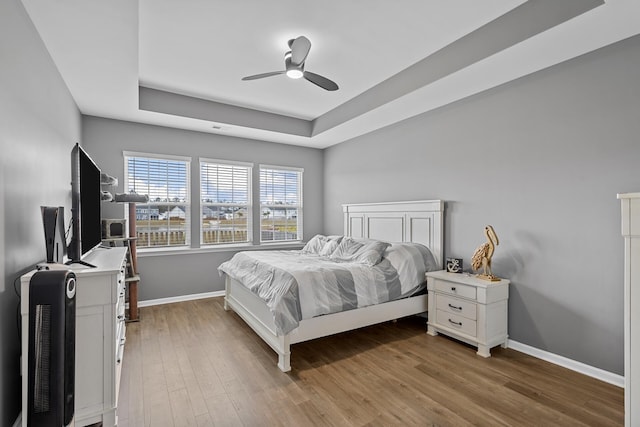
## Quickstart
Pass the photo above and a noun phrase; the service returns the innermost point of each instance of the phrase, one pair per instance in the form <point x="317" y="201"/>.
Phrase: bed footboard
<point x="257" y="315"/>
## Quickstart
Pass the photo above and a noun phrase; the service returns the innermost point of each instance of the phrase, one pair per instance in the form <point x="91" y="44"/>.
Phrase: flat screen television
<point x="86" y="226"/>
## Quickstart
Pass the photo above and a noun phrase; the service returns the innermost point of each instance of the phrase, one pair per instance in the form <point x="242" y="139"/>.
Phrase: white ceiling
<point x="105" y="50"/>
<point x="203" y="48"/>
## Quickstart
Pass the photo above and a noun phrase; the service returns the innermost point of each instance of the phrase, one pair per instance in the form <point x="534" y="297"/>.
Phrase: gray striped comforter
<point x="297" y="286"/>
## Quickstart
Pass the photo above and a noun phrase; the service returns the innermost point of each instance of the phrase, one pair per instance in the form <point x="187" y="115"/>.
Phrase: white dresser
<point x="468" y="309"/>
<point x="100" y="336"/>
<point x="631" y="233"/>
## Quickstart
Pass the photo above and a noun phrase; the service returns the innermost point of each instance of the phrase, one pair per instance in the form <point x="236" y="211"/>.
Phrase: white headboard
<point x="419" y="222"/>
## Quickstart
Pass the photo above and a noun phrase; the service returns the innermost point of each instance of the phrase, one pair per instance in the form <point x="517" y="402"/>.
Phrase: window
<point x="280" y="204"/>
<point x="225" y="197"/>
<point x="165" y="220"/>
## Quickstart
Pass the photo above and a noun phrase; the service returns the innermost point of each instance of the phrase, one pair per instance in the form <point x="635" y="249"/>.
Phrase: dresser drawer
<point x="120" y="309"/>
<point x="456" y="322"/>
<point x="456" y="306"/>
<point x="457" y="289"/>
<point x="121" y="297"/>
<point x="120" y="340"/>
<point x="121" y="279"/>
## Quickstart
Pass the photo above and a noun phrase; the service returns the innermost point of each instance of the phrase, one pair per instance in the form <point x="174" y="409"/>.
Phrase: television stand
<point x="79" y="261"/>
<point x="100" y="337"/>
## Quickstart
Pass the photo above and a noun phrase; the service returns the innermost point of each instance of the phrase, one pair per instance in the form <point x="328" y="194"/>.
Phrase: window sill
<point x="185" y="250"/>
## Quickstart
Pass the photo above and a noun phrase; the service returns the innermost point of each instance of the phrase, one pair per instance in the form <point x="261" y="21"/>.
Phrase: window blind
<point x="280" y="204"/>
<point x="165" y="220"/>
<point x="225" y="197"/>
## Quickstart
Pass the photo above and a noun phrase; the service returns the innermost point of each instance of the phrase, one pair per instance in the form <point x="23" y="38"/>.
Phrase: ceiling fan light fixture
<point x="294" y="73"/>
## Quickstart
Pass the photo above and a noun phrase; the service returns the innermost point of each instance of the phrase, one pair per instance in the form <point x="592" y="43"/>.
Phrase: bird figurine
<point x="482" y="256"/>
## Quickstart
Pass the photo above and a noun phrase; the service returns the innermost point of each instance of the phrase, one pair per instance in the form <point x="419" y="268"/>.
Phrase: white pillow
<point x="328" y="248"/>
<point x="371" y="252"/>
<point x="315" y="245"/>
<point x="345" y="250"/>
<point x="368" y="252"/>
<point x="321" y="245"/>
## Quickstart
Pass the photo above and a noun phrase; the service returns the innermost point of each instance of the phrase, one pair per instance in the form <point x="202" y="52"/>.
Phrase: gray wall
<point x="39" y="123"/>
<point x="194" y="273"/>
<point x="541" y="159"/>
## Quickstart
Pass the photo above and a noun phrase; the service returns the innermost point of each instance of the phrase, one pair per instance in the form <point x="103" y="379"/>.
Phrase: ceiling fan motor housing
<point x="294" y="71"/>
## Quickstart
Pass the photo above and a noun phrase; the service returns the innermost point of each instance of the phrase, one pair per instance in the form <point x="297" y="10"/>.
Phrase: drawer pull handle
<point x="455" y="323"/>
<point x="454" y="307"/>
<point x="453" y="289"/>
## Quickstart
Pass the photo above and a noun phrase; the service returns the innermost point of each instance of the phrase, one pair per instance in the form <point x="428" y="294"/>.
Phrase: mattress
<point x="298" y="285"/>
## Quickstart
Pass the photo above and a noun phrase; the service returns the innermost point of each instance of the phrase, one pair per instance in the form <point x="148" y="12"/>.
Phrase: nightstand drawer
<point x="457" y="289"/>
<point x="456" y="306"/>
<point x="456" y="322"/>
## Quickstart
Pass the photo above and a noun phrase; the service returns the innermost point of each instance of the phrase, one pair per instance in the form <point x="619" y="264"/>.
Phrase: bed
<point x="418" y="222"/>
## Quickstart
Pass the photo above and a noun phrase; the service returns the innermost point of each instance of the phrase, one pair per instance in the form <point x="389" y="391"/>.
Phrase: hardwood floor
<point x="194" y="364"/>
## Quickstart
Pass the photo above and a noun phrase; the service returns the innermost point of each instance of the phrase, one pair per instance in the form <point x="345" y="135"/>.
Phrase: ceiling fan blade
<point x="263" y="75"/>
<point x="299" y="50"/>
<point x="318" y="80"/>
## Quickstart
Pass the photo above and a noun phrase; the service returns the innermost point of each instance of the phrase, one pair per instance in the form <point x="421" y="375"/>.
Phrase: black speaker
<point x="55" y="242"/>
<point x="51" y="348"/>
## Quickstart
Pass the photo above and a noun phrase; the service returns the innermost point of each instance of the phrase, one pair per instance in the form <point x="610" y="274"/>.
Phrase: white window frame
<point x="298" y="206"/>
<point x="248" y="205"/>
<point x="187" y="203"/>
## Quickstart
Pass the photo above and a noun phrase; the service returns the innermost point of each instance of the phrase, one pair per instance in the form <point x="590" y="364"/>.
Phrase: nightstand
<point x="469" y="309"/>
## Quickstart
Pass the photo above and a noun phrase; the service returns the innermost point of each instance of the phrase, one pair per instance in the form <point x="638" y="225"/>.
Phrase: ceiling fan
<point x="294" y="65"/>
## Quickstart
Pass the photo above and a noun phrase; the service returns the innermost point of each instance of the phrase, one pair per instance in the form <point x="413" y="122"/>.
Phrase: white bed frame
<point x="418" y="222"/>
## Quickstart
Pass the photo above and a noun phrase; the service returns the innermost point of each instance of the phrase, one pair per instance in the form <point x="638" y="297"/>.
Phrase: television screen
<point x="85" y="204"/>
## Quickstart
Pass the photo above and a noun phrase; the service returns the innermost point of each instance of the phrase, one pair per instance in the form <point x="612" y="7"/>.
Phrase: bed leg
<point x="284" y="353"/>
<point x="284" y="362"/>
<point x="227" y="287"/>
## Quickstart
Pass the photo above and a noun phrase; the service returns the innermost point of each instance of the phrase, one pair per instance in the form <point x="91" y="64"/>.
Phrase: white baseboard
<point x="600" y="374"/>
<point x="181" y="298"/>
